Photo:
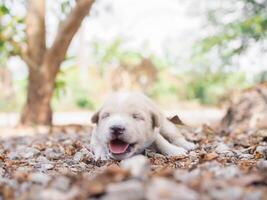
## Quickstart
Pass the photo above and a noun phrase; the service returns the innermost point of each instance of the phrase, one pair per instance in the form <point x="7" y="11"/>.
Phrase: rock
<point x="46" y="166"/>
<point x="85" y="152"/>
<point x="78" y="157"/>
<point x="262" y="150"/>
<point x="262" y="133"/>
<point x="61" y="183"/>
<point x="138" y="165"/>
<point x="52" y="154"/>
<point x="253" y="195"/>
<point x="25" y="186"/>
<point x="162" y="188"/>
<point x="13" y="155"/>
<point x="233" y="193"/>
<point x="39" y="178"/>
<point x="27" y="155"/>
<point x="193" y="156"/>
<point x="27" y="152"/>
<point x="24" y="169"/>
<point x="67" y="142"/>
<point x="245" y="156"/>
<point x="42" y="159"/>
<point x="185" y="176"/>
<point x="53" y="194"/>
<point x="227" y="172"/>
<point x="130" y="190"/>
<point x="262" y="165"/>
<point x="222" y="148"/>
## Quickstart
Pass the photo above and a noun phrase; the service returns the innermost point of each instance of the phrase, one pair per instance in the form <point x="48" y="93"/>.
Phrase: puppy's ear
<point x="155" y="120"/>
<point x="95" y="117"/>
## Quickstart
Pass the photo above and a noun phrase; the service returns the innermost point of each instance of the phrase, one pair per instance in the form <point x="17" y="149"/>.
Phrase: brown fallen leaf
<point x="39" y="146"/>
<point x="261" y="133"/>
<point x="207" y="130"/>
<point x="20" y="176"/>
<point x="258" y="155"/>
<point x="247" y="165"/>
<point x="6" y="192"/>
<point x="70" y="150"/>
<point x="176" y="120"/>
<point x="210" y="156"/>
<point x="162" y="172"/>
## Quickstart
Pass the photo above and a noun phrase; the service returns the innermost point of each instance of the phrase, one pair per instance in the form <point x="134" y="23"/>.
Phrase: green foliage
<point x="84" y="102"/>
<point x="60" y="84"/>
<point x="65" y="7"/>
<point x="70" y="94"/>
<point x="233" y="37"/>
<point x="3" y="10"/>
<point x="209" y="88"/>
<point x="11" y="31"/>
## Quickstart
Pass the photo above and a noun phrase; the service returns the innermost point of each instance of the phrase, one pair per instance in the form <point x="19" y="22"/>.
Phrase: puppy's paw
<point x="185" y="144"/>
<point x="175" y="151"/>
<point x="99" y="153"/>
<point x="189" y="146"/>
<point x="100" y="157"/>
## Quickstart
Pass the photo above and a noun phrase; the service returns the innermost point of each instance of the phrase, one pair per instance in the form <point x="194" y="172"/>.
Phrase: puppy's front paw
<point x="189" y="146"/>
<point x="175" y="151"/>
<point x="185" y="144"/>
<point x="100" y="157"/>
<point x="99" y="153"/>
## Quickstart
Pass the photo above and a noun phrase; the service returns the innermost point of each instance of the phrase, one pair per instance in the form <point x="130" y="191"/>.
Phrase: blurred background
<point x="64" y="56"/>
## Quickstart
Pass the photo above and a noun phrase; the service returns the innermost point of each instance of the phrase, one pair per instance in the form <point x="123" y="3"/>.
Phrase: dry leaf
<point x="176" y="120"/>
<point x="210" y="156"/>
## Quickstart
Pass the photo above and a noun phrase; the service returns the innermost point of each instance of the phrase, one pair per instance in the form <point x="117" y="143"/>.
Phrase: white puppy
<point x="128" y="123"/>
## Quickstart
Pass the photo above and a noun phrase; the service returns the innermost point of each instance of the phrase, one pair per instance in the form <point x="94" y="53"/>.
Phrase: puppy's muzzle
<point x="117" y="130"/>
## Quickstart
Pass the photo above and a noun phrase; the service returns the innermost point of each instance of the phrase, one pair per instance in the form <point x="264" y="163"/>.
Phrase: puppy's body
<point x="128" y="123"/>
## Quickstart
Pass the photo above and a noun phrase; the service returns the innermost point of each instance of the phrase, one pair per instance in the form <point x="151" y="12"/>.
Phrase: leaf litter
<point x="61" y="166"/>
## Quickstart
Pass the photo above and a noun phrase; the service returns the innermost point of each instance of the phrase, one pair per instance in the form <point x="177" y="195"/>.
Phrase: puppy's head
<point x="126" y="124"/>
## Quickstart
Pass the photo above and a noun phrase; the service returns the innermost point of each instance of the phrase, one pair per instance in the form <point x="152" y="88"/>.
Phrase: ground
<point x="59" y="165"/>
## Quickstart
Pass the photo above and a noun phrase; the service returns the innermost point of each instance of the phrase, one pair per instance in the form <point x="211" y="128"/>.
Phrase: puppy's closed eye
<point x="138" y="116"/>
<point x="105" y="115"/>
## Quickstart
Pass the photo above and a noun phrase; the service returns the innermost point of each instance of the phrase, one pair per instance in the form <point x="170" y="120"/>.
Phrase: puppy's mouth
<point x="119" y="147"/>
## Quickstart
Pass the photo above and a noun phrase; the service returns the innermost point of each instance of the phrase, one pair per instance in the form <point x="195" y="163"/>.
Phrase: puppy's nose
<point x="117" y="130"/>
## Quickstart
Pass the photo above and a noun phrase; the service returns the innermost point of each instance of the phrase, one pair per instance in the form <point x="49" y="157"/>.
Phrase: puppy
<point x="128" y="123"/>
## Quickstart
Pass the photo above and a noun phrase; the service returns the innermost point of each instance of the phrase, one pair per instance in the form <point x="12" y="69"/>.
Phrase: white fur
<point x="150" y="127"/>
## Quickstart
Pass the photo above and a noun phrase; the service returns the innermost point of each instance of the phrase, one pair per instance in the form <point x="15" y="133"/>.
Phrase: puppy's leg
<point x="170" y="131"/>
<point x="167" y="148"/>
<point x="99" y="151"/>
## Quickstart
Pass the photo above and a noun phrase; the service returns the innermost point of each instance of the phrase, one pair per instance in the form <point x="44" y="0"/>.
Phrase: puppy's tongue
<point x="118" y="146"/>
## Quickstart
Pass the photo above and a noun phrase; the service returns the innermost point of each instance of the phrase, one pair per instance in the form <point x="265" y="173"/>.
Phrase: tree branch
<point x="55" y="55"/>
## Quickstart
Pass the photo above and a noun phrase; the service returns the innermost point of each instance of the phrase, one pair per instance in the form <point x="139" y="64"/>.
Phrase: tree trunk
<point x="44" y="63"/>
<point x="37" y="109"/>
